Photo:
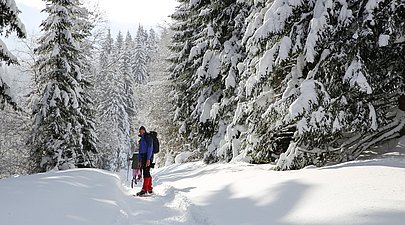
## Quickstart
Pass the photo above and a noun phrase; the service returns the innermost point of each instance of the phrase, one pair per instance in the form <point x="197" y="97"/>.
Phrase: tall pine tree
<point x="61" y="125"/>
<point x="112" y="104"/>
<point x="205" y="72"/>
<point x="140" y="57"/>
<point x="188" y="46"/>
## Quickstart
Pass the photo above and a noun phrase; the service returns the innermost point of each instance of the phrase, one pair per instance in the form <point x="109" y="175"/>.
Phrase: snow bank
<point x="355" y="193"/>
<point x="362" y="192"/>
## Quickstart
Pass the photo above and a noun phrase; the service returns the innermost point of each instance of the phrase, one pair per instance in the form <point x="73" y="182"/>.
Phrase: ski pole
<point x="127" y="167"/>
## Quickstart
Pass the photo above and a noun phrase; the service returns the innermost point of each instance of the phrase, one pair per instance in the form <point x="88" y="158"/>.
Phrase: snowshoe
<point x="142" y="193"/>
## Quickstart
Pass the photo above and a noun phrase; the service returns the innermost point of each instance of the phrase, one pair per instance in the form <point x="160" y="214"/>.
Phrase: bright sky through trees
<point x="123" y="14"/>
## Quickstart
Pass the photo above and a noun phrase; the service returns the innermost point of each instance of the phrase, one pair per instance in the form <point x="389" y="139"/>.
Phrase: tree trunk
<point x="401" y="102"/>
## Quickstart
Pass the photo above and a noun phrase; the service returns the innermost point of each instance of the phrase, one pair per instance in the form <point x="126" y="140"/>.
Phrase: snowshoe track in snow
<point x="173" y="198"/>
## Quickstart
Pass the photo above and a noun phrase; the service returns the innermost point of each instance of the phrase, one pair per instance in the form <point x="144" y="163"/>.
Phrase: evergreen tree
<point x="140" y="57"/>
<point x="185" y="61"/>
<point x="152" y="45"/>
<point x="9" y="22"/>
<point x="129" y="80"/>
<point x="102" y="85"/>
<point x="113" y="120"/>
<point x="89" y="156"/>
<point x="218" y="73"/>
<point x="62" y="132"/>
<point x="205" y="71"/>
<point x="123" y="85"/>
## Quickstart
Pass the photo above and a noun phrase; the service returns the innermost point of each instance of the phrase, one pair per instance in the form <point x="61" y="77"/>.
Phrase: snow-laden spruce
<point x="63" y="134"/>
<point x="140" y="57"/>
<point x="205" y="71"/>
<point x="112" y="103"/>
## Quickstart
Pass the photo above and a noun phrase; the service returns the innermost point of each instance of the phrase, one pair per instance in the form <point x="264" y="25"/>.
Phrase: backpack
<point x="153" y="135"/>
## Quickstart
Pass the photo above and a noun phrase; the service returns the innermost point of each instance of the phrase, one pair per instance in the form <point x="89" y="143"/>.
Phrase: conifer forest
<point x="286" y="82"/>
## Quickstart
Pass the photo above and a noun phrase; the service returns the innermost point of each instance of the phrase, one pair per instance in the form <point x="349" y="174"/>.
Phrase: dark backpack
<point x="153" y="135"/>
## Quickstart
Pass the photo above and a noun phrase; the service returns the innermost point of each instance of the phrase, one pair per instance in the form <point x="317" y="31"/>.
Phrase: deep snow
<point x="356" y="193"/>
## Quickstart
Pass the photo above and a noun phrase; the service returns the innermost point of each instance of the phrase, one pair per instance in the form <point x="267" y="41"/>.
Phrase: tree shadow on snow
<point x="224" y="208"/>
<point x="172" y="176"/>
<point x="386" y="162"/>
<point x="259" y="209"/>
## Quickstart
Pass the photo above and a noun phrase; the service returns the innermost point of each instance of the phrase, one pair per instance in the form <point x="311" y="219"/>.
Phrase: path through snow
<point x="357" y="193"/>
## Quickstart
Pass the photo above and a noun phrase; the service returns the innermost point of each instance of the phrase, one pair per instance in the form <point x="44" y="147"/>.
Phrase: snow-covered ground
<point x="360" y="192"/>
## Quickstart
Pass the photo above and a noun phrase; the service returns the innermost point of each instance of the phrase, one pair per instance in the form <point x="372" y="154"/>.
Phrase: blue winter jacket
<point x="145" y="147"/>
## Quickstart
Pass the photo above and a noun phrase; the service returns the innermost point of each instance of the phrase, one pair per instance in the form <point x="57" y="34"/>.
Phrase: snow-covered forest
<point x="287" y="82"/>
<point x="71" y="96"/>
<point x="281" y="112"/>
<point x="295" y="83"/>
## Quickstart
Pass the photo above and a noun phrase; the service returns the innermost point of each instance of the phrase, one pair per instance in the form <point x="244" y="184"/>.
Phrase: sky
<point x="123" y="14"/>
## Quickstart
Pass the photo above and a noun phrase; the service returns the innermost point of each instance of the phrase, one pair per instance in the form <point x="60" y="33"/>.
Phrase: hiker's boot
<point x="141" y="193"/>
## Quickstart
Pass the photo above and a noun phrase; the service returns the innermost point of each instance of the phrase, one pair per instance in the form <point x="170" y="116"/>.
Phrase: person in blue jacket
<point x="145" y="158"/>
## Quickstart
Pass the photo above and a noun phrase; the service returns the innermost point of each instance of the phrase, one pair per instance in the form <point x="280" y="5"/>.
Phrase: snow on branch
<point x="356" y="76"/>
<point x="276" y="17"/>
<point x="305" y="100"/>
<point x="318" y="23"/>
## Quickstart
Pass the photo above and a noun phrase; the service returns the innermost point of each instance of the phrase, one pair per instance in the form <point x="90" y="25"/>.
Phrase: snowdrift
<point x="361" y="192"/>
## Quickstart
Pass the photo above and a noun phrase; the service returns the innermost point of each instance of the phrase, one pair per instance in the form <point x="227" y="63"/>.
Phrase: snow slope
<point x="361" y="192"/>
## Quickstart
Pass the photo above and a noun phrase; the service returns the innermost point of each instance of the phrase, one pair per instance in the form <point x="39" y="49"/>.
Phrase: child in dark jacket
<point x="136" y="168"/>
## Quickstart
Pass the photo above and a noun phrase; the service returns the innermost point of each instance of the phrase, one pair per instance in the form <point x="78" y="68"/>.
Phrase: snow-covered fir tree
<point x="140" y="57"/>
<point x="152" y="45"/>
<point x="101" y="84"/>
<point x="218" y="74"/>
<point x="62" y="133"/>
<point x="129" y="82"/>
<point x="9" y="23"/>
<point x="184" y="63"/>
<point x="205" y="71"/>
<point x="112" y="104"/>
